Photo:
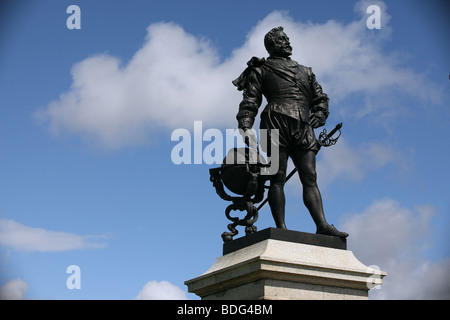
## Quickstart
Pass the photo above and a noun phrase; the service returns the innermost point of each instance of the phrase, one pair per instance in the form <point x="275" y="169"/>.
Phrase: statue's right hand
<point x="249" y="138"/>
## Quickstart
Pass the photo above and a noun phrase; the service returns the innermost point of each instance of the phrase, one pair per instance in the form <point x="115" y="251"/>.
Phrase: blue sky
<point x="86" y="174"/>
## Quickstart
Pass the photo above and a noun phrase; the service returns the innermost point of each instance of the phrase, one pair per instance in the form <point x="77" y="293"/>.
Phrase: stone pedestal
<point x="276" y="264"/>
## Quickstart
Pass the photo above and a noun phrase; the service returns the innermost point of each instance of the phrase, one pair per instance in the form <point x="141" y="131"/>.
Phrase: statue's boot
<point x="330" y="230"/>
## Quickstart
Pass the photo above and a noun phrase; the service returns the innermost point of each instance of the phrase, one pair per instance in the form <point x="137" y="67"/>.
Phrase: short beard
<point x="279" y="51"/>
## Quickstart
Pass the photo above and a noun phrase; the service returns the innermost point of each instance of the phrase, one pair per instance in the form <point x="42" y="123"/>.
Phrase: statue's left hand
<point x="316" y="119"/>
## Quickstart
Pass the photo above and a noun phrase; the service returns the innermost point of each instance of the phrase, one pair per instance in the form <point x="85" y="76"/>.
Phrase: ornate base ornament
<point x="241" y="174"/>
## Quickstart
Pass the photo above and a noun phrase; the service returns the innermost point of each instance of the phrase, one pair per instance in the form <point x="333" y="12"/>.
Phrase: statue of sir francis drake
<point x="296" y="106"/>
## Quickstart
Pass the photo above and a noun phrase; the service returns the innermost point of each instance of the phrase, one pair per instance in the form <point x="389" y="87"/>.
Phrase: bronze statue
<point x="296" y="106"/>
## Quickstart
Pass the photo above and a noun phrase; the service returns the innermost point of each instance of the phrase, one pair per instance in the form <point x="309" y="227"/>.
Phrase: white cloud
<point x="20" y="237"/>
<point x="171" y="81"/>
<point x="395" y="238"/>
<point x="161" y="290"/>
<point x="176" y="78"/>
<point x="14" y="290"/>
<point x="343" y="161"/>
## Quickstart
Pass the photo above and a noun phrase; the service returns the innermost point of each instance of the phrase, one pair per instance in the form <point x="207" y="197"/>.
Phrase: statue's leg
<point x="305" y="162"/>
<point x="276" y="195"/>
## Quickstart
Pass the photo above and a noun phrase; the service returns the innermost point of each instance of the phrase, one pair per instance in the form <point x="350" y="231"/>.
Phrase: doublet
<point x="289" y="88"/>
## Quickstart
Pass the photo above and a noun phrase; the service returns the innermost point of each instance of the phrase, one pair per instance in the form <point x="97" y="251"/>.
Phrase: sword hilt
<point x="326" y="140"/>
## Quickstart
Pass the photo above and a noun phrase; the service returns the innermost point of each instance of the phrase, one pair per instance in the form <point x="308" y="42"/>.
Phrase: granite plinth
<point x="285" y="270"/>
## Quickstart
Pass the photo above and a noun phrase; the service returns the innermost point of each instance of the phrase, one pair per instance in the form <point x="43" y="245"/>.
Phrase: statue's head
<point x="277" y="43"/>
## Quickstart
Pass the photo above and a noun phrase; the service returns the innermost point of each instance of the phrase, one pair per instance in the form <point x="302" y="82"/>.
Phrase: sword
<point x="325" y="140"/>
